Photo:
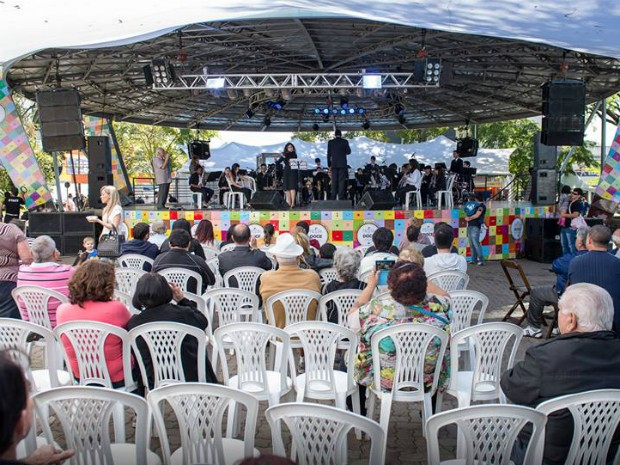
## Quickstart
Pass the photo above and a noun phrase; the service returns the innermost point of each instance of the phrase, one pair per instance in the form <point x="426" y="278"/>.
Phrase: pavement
<point x="405" y="443"/>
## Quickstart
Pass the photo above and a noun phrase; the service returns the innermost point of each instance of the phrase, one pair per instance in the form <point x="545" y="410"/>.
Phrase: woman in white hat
<point x="288" y="276"/>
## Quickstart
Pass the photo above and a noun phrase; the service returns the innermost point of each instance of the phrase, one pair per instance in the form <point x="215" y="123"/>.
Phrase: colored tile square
<point x="429" y="214"/>
<point x="294" y="216"/>
<point x="305" y="215"/>
<point x="348" y="225"/>
<point x="456" y="213"/>
<point x="347" y="236"/>
<point x="492" y="230"/>
<point x="388" y="214"/>
<point x="335" y="225"/>
<point x="326" y="215"/>
<point x="337" y="235"/>
<point x="492" y="221"/>
<point x="399" y="214"/>
<point x="420" y="214"/>
<point x="284" y="226"/>
<point x="336" y="215"/>
<point x="348" y="215"/>
<point x="359" y="214"/>
<point x="369" y="215"/>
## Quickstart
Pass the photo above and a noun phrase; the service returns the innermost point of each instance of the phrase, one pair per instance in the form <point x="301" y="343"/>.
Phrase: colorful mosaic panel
<point x="609" y="184"/>
<point x="16" y="155"/>
<point x="499" y="241"/>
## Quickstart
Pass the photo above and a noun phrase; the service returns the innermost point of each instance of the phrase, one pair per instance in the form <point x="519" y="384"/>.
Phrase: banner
<point x="609" y="185"/>
<point x="16" y="154"/>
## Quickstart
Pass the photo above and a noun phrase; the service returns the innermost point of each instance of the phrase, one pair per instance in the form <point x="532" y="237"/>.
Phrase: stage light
<point x="351" y="111"/>
<point x="344" y="102"/>
<point x="163" y="74"/>
<point x="267" y="121"/>
<point x="326" y="111"/>
<point x="432" y="71"/>
<point x="276" y="105"/>
<point x="361" y="111"/>
<point x="343" y="112"/>
<point x="335" y="111"/>
<point x="371" y="81"/>
<point x="317" y="111"/>
<point x="402" y="119"/>
<point x="399" y="109"/>
<point x="366" y="125"/>
<point x="315" y="127"/>
<point x="249" y="113"/>
<point x="216" y="83"/>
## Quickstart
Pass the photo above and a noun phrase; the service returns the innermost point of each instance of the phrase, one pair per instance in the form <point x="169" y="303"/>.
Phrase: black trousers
<point x="162" y="195"/>
<point x="339" y="183"/>
<point x="205" y="191"/>
<point x="401" y="192"/>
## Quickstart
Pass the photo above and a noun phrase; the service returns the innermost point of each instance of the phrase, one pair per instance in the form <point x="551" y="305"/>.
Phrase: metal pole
<point x="57" y="176"/>
<point x="603" y="132"/>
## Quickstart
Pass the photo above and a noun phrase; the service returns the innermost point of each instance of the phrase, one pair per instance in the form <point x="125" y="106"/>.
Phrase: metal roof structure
<point x="307" y="66"/>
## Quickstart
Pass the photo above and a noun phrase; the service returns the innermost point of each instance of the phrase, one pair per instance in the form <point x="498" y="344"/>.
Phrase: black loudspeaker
<point x="545" y="250"/>
<point x="99" y="168"/>
<point x="75" y="223"/>
<point x="545" y="185"/>
<point x="330" y="205"/>
<point x="545" y="156"/>
<point x="563" y="112"/>
<point x="45" y="223"/>
<point x="148" y="75"/>
<point x="467" y="147"/>
<point x="376" y="200"/>
<point x="542" y="228"/>
<point x="268" y="200"/>
<point x="61" y="120"/>
<point x="200" y="149"/>
<point x="68" y="230"/>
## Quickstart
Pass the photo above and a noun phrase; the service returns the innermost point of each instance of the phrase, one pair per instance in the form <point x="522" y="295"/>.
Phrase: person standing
<point x="290" y="175"/>
<point x="112" y="214"/>
<point x="474" y="215"/>
<point x="456" y="165"/>
<point x="567" y="233"/>
<point x="337" y="150"/>
<point x="12" y="205"/>
<point x="161" y="168"/>
<point x="13" y="250"/>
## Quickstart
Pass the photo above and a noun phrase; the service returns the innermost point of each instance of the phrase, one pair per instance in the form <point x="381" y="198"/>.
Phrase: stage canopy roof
<point x="488" y="161"/>
<point x="494" y="58"/>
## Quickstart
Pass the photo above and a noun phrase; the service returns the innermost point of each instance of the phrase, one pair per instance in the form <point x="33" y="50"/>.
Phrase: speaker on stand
<point x="563" y="112"/>
<point x="99" y="168"/>
<point x="61" y="120"/>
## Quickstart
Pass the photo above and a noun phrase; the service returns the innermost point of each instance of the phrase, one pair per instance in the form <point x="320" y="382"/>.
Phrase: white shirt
<point x="368" y="262"/>
<point x="445" y="262"/>
<point x="108" y="218"/>
<point x="414" y="178"/>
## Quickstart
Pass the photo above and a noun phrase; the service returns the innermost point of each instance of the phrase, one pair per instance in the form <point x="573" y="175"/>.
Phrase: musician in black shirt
<point x="12" y="205"/>
<point x="262" y="178"/>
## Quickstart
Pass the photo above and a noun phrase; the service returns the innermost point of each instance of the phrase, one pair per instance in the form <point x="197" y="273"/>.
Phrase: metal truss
<point x="290" y="81"/>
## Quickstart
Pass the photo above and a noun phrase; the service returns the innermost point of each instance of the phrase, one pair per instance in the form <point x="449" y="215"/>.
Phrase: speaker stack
<point x="563" y="112"/>
<point x="61" y="120"/>
<point x="99" y="168"/>
<point x="68" y="230"/>
<point x="376" y="200"/>
<point x="268" y="200"/>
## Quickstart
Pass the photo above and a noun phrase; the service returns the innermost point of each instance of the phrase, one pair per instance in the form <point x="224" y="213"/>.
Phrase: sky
<point x="250" y="138"/>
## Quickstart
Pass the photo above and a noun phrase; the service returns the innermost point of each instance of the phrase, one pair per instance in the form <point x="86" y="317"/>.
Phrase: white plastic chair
<point x="201" y="306"/>
<point x="228" y="247"/>
<point x="250" y="341"/>
<point x="489" y="342"/>
<point x="362" y="249"/>
<point x="35" y="300"/>
<point x="127" y="279"/>
<point x="199" y="410"/>
<point x="214" y="266"/>
<point x="246" y="277"/>
<point x="182" y="277"/>
<point x="232" y="197"/>
<point x="14" y="338"/>
<point x="126" y="300"/>
<point x="411" y="341"/>
<point x="134" y="260"/>
<point x="486" y="434"/>
<point x="84" y="416"/>
<point x="210" y="252"/>
<point x="320" y="381"/>
<point x="296" y="304"/>
<point x="447" y="194"/>
<point x="327" y="275"/>
<point x="341" y="301"/>
<point x="416" y="196"/>
<point x="164" y="342"/>
<point x="319" y="433"/>
<point x="596" y="415"/>
<point x="449" y="280"/>
<point x="463" y="304"/>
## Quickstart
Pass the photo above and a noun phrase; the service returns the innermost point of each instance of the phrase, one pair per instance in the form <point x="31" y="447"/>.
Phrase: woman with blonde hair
<point x="302" y="240"/>
<point x="112" y="217"/>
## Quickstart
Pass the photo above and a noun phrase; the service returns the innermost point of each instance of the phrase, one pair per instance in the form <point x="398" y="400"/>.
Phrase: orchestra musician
<point x="262" y="178"/>
<point x="337" y="150"/>
<point x="197" y="183"/>
<point x="427" y="177"/>
<point x="235" y="181"/>
<point x="290" y="174"/>
<point x="411" y="180"/>
<point x="456" y="165"/>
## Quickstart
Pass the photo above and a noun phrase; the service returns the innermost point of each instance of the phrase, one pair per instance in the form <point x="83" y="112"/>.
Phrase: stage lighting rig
<point x="163" y="73"/>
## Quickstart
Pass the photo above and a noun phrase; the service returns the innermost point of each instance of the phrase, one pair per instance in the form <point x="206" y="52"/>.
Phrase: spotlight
<point x="432" y="71"/>
<point x="317" y="111"/>
<point x="163" y="74"/>
<point x="399" y="109"/>
<point x="351" y="111"/>
<point x="343" y="112"/>
<point x="249" y="113"/>
<point x="315" y="127"/>
<point x="326" y="111"/>
<point x="344" y="102"/>
<point x="335" y="111"/>
<point x="216" y="83"/>
<point x="276" y="105"/>
<point x="267" y="121"/>
<point x="366" y="125"/>
<point x="402" y="119"/>
<point x="371" y="81"/>
<point x="361" y="111"/>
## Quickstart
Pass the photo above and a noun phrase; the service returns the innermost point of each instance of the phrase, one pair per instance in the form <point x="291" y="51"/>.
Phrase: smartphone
<point x="383" y="267"/>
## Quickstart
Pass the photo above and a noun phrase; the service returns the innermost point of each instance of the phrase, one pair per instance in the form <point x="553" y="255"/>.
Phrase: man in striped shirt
<point x="45" y="272"/>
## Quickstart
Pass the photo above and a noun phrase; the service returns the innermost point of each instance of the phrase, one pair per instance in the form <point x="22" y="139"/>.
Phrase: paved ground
<point x="405" y="443"/>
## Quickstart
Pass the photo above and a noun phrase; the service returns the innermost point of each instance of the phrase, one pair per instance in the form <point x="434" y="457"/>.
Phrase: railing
<point x="515" y="190"/>
<point x="144" y="190"/>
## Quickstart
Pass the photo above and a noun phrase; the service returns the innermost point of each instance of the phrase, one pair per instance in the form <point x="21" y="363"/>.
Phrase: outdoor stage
<point x="504" y="235"/>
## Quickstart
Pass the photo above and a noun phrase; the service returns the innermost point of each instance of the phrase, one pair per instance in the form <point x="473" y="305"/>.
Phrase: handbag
<point x="110" y="244"/>
<point x="579" y="222"/>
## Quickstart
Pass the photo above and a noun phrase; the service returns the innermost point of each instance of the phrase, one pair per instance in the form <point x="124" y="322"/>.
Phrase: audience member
<point x="567" y="234"/>
<point x="46" y="273"/>
<point x="269" y="237"/>
<point x="306" y="227"/>
<point x="585" y="357"/>
<point x="382" y="249"/>
<point x="431" y="250"/>
<point x="444" y="259"/>
<point x="347" y="263"/>
<point x="16" y="411"/>
<point x="301" y="238"/>
<point x="13" y="249"/>
<point x="288" y="276"/>
<point x="616" y="240"/>
<point x="325" y="259"/>
<point x="112" y="217"/>
<point x="179" y="257"/>
<point x="87" y="252"/>
<point x="242" y="254"/>
<point x="229" y="239"/>
<point x="413" y="239"/>
<point x="91" y="290"/>
<point x="158" y="233"/>
<point x="153" y="298"/>
<point x="205" y="235"/>
<point x="195" y="247"/>
<point x="411" y="255"/>
<point x="598" y="267"/>
<point x="542" y="296"/>
<point x="140" y="244"/>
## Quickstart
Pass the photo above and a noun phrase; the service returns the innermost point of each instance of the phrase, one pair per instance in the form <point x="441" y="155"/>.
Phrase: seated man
<point x="542" y="296"/>
<point x="140" y="244"/>
<point x="431" y="249"/>
<point x="179" y="257"/>
<point x="45" y="272"/>
<point x="242" y="254"/>
<point x="598" y="267"/>
<point x="382" y="249"/>
<point x="616" y="240"/>
<point x="325" y="259"/>
<point x="444" y="259"/>
<point x="585" y="357"/>
<point x="197" y="184"/>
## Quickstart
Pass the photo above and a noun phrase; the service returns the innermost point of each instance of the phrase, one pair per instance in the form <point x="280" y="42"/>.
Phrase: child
<point x="89" y="252"/>
<point x="563" y="203"/>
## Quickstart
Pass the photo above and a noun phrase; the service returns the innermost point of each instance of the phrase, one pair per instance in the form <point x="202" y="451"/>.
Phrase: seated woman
<point x="195" y="247"/>
<point x="269" y="237"/>
<point x="91" y="290"/>
<point x="347" y="263"/>
<point x="153" y="295"/>
<point x="410" y="302"/>
<point x="205" y="235"/>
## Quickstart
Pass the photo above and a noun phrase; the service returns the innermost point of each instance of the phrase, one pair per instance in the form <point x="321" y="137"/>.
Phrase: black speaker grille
<point x="61" y="120"/>
<point x="376" y="200"/>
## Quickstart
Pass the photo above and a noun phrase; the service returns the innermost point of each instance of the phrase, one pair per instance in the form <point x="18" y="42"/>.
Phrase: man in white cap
<point x="288" y="276"/>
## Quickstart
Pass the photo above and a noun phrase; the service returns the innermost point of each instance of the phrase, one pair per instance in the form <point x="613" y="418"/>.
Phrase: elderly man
<point x="288" y="276"/>
<point x="585" y="357"/>
<point x="598" y="267"/>
<point x="242" y="254"/>
<point x="548" y="295"/>
<point x="46" y="273"/>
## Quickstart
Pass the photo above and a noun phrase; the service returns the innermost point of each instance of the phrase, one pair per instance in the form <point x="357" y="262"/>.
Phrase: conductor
<point x="337" y="151"/>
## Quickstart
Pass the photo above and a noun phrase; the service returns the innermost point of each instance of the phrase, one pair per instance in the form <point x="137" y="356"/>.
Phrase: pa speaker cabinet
<point x="268" y="200"/>
<point x="545" y="250"/>
<point x="61" y="120"/>
<point x="467" y="147"/>
<point x="75" y="223"/>
<point x="542" y="228"/>
<point x="48" y="224"/>
<point x="545" y="156"/>
<point x="376" y="200"/>
<point x="99" y="154"/>
<point x="545" y="185"/>
<point x="563" y="112"/>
